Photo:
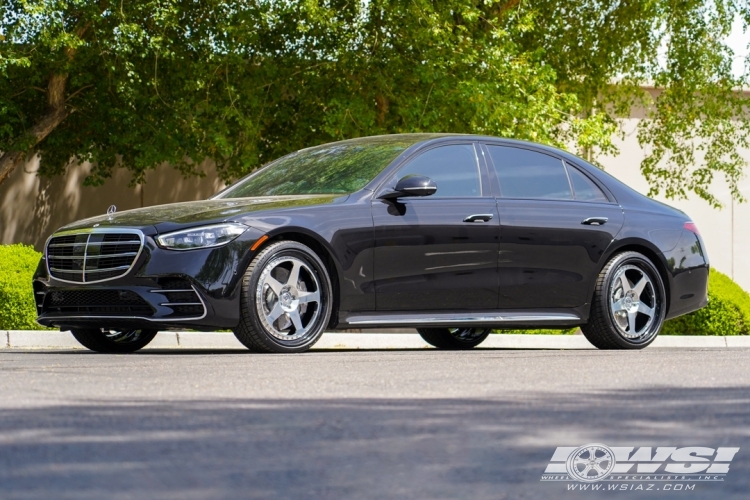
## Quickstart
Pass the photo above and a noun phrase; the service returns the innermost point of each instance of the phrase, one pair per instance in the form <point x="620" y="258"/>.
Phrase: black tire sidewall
<point x="304" y="253"/>
<point x="645" y="265"/>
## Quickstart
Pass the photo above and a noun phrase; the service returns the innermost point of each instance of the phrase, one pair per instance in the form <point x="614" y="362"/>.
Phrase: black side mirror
<point x="412" y="185"/>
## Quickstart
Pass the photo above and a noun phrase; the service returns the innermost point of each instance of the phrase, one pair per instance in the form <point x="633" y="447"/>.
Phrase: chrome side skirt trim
<point x="509" y="317"/>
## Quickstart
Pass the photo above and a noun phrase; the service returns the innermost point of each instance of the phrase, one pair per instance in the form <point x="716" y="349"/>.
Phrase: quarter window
<point x="584" y="188"/>
<point x="528" y="174"/>
<point x="454" y="169"/>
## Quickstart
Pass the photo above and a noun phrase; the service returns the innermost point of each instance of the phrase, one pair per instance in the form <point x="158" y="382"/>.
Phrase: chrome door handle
<point x="595" y="221"/>
<point x="478" y="218"/>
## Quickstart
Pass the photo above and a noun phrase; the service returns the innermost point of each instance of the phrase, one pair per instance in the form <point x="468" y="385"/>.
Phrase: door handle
<point x="478" y="218"/>
<point x="595" y="221"/>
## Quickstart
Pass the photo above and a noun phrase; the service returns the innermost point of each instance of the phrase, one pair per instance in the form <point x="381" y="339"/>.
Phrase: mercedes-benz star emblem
<point x="112" y="209"/>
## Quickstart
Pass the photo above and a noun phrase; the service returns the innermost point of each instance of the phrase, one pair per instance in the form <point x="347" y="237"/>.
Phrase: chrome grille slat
<point x="106" y="269"/>
<point x="89" y="271"/>
<point x="89" y="257"/>
<point x="81" y="256"/>
<point x="96" y="243"/>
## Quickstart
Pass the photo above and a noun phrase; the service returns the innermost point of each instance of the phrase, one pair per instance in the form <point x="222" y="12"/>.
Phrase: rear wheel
<point x="629" y="304"/>
<point x="454" y="338"/>
<point x="286" y="299"/>
<point x="110" y="341"/>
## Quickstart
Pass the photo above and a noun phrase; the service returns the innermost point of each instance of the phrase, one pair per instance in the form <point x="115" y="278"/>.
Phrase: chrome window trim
<point x="90" y="231"/>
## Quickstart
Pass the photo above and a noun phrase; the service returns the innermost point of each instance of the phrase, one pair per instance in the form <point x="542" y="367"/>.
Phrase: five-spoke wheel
<point x="633" y="301"/>
<point x="628" y="307"/>
<point x="285" y="306"/>
<point x="286" y="299"/>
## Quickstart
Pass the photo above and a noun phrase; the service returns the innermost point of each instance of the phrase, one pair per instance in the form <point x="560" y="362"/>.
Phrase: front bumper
<point x="165" y="289"/>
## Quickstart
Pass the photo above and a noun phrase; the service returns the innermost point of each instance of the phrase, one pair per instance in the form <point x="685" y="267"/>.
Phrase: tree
<point x="140" y="83"/>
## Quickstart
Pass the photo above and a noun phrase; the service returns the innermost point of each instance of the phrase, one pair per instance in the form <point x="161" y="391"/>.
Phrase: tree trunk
<point x="56" y="113"/>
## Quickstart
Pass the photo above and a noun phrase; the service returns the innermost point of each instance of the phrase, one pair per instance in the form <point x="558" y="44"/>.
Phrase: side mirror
<point x="412" y="185"/>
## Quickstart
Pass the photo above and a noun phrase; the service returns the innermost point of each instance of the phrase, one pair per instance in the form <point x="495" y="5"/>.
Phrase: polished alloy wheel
<point x="628" y="307"/>
<point x="288" y="298"/>
<point x="633" y="302"/>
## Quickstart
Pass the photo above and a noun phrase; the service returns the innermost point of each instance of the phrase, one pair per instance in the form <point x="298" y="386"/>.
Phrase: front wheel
<point x="286" y="299"/>
<point x="454" y="338"/>
<point x="109" y="341"/>
<point x="629" y="304"/>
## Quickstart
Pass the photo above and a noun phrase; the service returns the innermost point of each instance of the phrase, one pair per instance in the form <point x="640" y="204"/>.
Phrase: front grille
<point x="93" y="256"/>
<point x="97" y="302"/>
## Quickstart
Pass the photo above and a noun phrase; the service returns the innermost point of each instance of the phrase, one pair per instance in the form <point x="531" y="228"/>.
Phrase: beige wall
<point x="32" y="207"/>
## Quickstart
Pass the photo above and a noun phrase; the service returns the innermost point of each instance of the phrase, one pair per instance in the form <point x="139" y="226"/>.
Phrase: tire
<point x="626" y="311"/>
<point x="272" y="316"/>
<point x="113" y="341"/>
<point x="454" y="338"/>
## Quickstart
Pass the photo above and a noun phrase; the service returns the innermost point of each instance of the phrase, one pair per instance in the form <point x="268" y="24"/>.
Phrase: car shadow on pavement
<point x="353" y="448"/>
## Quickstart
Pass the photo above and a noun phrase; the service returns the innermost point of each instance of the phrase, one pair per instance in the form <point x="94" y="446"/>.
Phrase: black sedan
<point x="454" y="235"/>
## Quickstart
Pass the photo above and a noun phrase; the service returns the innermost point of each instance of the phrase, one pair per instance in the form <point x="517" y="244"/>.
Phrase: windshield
<point x="337" y="168"/>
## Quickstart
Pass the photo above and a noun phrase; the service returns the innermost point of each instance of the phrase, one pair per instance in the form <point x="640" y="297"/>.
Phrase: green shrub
<point x="541" y="331"/>
<point x="17" y="308"/>
<point x="727" y="312"/>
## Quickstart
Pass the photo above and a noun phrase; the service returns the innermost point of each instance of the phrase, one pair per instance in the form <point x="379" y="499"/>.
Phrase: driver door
<point x="438" y="252"/>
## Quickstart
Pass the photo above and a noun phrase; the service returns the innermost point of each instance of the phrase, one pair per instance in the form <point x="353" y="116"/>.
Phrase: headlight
<point x="201" y="237"/>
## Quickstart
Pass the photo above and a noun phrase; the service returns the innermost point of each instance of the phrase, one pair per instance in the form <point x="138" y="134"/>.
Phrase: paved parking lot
<point x="354" y="424"/>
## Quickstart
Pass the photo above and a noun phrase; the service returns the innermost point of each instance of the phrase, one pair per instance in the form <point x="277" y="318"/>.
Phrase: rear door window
<point x="523" y="173"/>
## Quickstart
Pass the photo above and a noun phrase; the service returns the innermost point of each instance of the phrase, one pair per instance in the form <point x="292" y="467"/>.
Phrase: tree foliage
<point x="144" y="82"/>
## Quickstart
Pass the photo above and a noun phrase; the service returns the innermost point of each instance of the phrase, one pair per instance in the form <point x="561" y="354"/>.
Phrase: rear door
<point x="438" y="252"/>
<point x="555" y="224"/>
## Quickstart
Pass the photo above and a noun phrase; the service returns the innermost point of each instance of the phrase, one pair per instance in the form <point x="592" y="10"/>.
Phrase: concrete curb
<point x="31" y="339"/>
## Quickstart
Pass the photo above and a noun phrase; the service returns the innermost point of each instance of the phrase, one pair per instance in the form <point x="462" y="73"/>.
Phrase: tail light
<point x="690" y="226"/>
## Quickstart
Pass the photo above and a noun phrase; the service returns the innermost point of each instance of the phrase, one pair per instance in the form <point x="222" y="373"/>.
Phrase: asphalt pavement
<point x="419" y="423"/>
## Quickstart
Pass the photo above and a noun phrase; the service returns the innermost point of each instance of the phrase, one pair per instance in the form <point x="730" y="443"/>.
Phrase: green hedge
<point x="727" y="312"/>
<point x="17" y="266"/>
<point x="541" y="331"/>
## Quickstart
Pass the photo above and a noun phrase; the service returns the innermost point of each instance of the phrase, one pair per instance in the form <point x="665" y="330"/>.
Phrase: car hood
<point x="167" y="217"/>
